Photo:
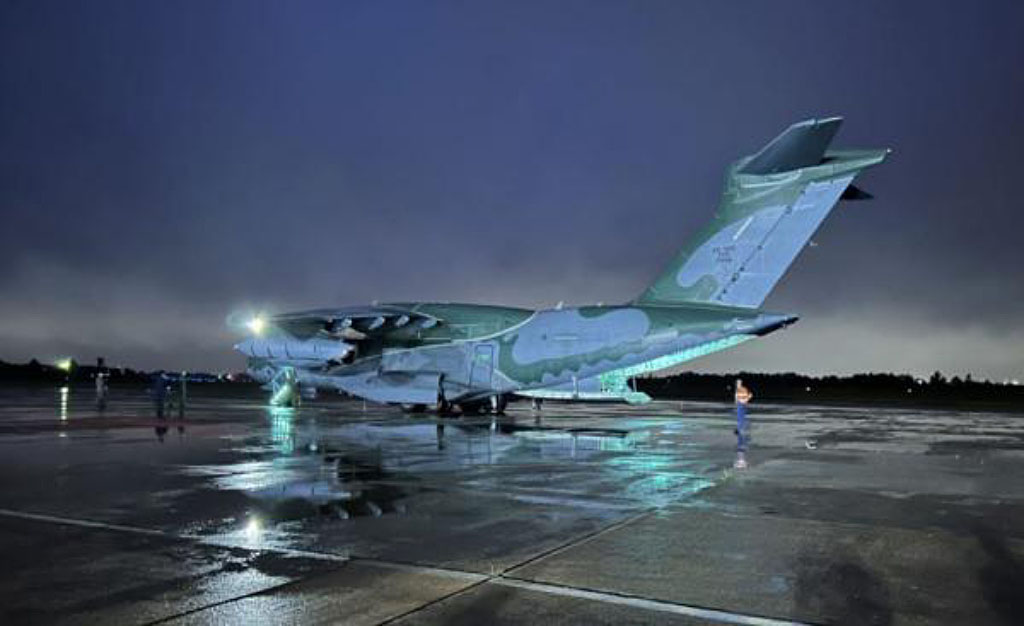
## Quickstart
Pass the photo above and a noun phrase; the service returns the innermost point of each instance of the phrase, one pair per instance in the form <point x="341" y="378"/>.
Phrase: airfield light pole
<point x="183" y="395"/>
<point x="68" y="367"/>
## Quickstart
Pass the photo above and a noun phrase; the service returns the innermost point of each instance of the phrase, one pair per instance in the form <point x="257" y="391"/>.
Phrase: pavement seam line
<point x="422" y="569"/>
<point x="430" y="603"/>
<point x="578" y="541"/>
<point x="478" y="579"/>
<point x="486" y="578"/>
<point x="644" y="603"/>
<point x="208" y="541"/>
<point x="251" y="594"/>
<point x="474" y="579"/>
<point x="68" y="521"/>
<point x="136" y="530"/>
<point x="80" y="523"/>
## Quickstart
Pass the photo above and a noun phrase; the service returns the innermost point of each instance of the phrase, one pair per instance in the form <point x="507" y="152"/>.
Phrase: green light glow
<point x="282" y="429"/>
<point x="617" y="381"/>
<point x="284" y="387"/>
<point x="281" y="396"/>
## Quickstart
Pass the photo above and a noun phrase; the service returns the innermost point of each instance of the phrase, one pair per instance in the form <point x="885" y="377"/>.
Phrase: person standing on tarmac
<point x="743" y="397"/>
<point x="101" y="390"/>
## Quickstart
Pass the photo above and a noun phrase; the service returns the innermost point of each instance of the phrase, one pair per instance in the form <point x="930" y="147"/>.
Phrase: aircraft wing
<point x="352" y="323"/>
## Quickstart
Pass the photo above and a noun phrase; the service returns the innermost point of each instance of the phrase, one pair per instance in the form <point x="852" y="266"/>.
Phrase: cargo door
<point x="483" y="365"/>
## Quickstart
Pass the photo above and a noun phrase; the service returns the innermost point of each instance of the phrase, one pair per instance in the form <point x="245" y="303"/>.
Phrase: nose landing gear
<point x="284" y="388"/>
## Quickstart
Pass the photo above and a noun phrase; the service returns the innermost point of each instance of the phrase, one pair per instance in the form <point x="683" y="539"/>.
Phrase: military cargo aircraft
<point x="474" y="357"/>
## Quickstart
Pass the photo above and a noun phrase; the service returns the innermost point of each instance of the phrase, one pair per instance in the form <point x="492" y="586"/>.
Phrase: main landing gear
<point x="494" y="405"/>
<point x="443" y="406"/>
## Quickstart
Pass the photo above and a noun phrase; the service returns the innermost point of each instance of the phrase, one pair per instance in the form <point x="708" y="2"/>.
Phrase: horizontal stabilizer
<point x="801" y="145"/>
<point x="607" y="387"/>
<point x="855" y="193"/>
<point x="627" y="397"/>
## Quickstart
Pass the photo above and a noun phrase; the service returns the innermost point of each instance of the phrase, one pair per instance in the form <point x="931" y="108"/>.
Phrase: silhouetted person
<point x="101" y="391"/>
<point x="159" y="393"/>
<point x="743" y="398"/>
<point x="182" y="395"/>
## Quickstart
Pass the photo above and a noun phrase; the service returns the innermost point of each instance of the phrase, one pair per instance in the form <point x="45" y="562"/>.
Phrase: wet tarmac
<point x="337" y="512"/>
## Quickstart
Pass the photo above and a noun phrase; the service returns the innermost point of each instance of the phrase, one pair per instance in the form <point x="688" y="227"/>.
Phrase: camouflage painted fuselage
<point x="482" y="350"/>
<point x="707" y="299"/>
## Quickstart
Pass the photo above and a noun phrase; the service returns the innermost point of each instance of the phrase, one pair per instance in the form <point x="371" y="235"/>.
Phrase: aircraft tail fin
<point x="773" y="202"/>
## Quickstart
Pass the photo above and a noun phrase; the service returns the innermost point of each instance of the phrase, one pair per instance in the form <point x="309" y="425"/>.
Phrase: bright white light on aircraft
<point x="64" y="364"/>
<point x="253" y="529"/>
<point x="256" y="325"/>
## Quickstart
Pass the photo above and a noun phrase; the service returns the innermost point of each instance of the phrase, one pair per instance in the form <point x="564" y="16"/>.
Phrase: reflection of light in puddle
<point x="64" y="404"/>
<point x="659" y="479"/>
<point x="254" y="532"/>
<point x="281" y="428"/>
<point x="308" y="476"/>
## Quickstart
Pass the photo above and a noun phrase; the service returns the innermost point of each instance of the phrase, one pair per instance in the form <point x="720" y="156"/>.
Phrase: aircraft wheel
<point x="475" y="408"/>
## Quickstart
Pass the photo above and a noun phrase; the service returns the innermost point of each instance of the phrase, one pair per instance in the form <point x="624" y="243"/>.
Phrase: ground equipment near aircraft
<point x="708" y="299"/>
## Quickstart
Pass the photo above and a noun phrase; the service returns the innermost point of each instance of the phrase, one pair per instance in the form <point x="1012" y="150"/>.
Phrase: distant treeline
<point x="895" y="389"/>
<point x="36" y="372"/>
<point x="880" y="389"/>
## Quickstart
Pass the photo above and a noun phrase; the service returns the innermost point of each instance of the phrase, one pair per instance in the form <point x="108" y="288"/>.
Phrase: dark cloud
<point x="162" y="164"/>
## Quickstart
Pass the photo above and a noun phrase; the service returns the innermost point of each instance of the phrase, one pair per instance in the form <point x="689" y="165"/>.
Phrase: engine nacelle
<point x="320" y="350"/>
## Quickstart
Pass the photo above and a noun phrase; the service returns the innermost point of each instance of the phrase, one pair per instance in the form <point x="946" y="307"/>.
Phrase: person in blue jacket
<point x="743" y="398"/>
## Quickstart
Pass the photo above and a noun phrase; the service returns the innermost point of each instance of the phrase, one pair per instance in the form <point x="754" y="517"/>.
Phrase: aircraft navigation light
<point x="256" y="325"/>
<point x="64" y="364"/>
<point x="253" y="528"/>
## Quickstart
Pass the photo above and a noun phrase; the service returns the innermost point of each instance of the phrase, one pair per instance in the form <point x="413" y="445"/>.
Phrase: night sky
<point x="163" y="164"/>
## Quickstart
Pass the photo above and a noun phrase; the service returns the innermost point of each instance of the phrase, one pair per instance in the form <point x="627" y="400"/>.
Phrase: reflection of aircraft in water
<point x="354" y="488"/>
<point x="708" y="299"/>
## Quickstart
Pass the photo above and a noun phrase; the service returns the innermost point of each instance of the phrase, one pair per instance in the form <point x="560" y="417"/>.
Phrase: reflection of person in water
<point x="161" y="432"/>
<point x="440" y="436"/>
